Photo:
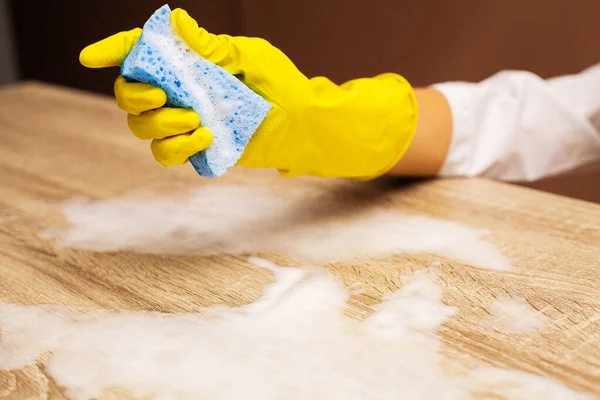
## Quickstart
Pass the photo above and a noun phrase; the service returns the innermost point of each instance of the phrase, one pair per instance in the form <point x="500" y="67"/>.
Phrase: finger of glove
<point x="162" y="123"/>
<point x="136" y="98"/>
<point x="178" y="149"/>
<point x="218" y="49"/>
<point x="109" y="52"/>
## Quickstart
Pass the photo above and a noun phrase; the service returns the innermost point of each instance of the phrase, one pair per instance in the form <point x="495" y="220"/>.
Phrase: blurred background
<point x="426" y="41"/>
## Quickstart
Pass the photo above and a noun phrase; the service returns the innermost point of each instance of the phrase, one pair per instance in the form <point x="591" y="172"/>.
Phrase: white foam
<point x="515" y="316"/>
<point x="293" y="343"/>
<point x="238" y="219"/>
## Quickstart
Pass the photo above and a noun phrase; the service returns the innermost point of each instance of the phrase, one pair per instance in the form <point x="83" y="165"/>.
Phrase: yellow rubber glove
<point x="357" y="130"/>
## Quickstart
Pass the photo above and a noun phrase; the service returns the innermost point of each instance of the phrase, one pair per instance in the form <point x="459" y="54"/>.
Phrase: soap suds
<point x="292" y="343"/>
<point x="515" y="316"/>
<point x="251" y="220"/>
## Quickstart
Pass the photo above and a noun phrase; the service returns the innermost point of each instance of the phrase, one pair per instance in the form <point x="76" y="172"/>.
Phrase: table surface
<point x="57" y="143"/>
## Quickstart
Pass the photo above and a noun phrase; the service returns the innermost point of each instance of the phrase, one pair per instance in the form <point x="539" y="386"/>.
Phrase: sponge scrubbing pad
<point x="226" y="106"/>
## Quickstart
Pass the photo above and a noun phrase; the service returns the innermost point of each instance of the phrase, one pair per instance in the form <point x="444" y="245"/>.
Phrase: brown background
<point x="426" y="41"/>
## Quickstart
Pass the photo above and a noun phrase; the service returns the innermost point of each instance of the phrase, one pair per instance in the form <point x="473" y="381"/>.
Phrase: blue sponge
<point x="226" y="106"/>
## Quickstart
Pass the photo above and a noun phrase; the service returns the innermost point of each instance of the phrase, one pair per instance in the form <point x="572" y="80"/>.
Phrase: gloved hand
<point x="357" y="130"/>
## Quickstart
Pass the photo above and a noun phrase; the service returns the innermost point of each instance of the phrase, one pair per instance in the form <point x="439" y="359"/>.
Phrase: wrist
<point x="429" y="147"/>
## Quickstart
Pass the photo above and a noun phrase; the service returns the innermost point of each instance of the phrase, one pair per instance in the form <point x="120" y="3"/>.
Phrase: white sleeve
<point x="515" y="126"/>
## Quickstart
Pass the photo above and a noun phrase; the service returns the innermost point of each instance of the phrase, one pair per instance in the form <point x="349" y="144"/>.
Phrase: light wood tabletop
<point x="57" y="143"/>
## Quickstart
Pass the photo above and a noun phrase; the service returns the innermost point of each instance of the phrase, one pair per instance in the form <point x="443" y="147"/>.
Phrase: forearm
<point x="431" y="142"/>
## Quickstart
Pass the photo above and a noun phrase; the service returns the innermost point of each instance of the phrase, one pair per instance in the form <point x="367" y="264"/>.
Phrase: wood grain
<point x="58" y="143"/>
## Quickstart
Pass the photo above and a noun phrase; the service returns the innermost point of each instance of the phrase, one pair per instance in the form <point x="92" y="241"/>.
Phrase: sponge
<point x="226" y="106"/>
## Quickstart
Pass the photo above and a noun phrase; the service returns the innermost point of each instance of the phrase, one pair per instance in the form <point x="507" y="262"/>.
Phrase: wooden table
<point x="57" y="143"/>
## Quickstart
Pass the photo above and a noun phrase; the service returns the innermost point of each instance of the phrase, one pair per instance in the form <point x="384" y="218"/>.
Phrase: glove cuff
<point x="406" y="126"/>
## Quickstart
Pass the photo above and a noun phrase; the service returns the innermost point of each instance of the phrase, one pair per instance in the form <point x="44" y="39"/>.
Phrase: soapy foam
<point x="226" y="106"/>
<point x="251" y="220"/>
<point x="292" y="343"/>
<point x="515" y="316"/>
